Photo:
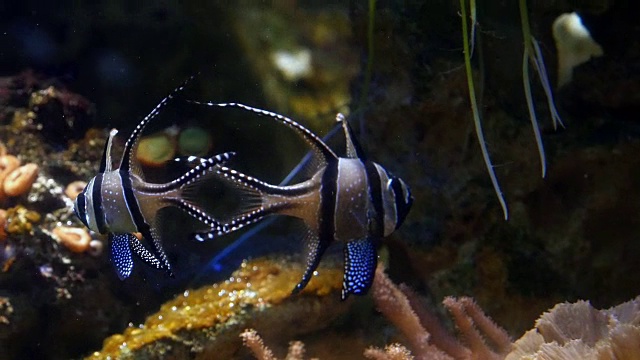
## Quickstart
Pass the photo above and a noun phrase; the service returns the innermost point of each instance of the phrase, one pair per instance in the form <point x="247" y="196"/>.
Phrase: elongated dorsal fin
<point x="353" y="146"/>
<point x="132" y="143"/>
<point x="106" y="163"/>
<point x="326" y="154"/>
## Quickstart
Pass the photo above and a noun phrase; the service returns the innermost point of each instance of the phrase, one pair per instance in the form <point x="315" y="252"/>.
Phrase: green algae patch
<point x="194" y="141"/>
<point x="199" y="317"/>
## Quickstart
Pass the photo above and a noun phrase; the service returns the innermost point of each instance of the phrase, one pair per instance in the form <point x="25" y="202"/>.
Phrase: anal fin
<point x="152" y="234"/>
<point x="315" y="250"/>
<point x="145" y="255"/>
<point x="121" y="254"/>
<point x="360" y="259"/>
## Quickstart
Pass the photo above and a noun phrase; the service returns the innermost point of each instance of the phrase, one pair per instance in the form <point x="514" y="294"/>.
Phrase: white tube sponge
<point x="574" y="43"/>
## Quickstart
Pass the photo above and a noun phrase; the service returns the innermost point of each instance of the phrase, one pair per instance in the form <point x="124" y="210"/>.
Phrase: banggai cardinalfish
<point x="120" y="202"/>
<point x="348" y="199"/>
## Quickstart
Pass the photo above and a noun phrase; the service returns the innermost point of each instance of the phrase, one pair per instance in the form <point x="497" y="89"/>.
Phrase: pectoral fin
<point x="121" y="254"/>
<point x="360" y="259"/>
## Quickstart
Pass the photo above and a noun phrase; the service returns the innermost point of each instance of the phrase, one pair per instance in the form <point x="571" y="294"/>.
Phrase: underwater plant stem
<point x="476" y="112"/>
<point x="544" y="80"/>
<point x="529" y="51"/>
<point x="474" y="18"/>
<point x="532" y="111"/>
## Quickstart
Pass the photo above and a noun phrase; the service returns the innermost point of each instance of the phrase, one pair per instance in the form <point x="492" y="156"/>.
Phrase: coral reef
<point x="428" y="338"/>
<point x="568" y="331"/>
<point x="46" y="288"/>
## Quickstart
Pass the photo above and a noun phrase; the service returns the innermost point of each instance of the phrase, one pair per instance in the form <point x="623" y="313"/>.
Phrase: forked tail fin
<point x="253" y="206"/>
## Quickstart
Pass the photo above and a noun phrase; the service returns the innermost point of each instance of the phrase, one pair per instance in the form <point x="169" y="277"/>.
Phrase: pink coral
<point x="428" y="339"/>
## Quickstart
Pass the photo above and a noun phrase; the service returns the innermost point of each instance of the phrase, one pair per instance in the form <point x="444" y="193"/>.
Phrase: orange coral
<point x="8" y="163"/>
<point x="75" y="239"/>
<point x="74" y="189"/>
<point x="20" y="180"/>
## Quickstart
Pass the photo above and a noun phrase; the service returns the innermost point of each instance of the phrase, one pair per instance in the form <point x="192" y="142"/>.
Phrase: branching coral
<point x="391" y="352"/>
<point x="427" y="337"/>
<point x="254" y="342"/>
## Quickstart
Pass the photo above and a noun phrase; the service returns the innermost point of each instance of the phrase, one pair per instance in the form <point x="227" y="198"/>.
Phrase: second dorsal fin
<point x="323" y="150"/>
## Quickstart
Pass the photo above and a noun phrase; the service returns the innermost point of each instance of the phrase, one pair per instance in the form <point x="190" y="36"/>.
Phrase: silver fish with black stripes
<point x="119" y="202"/>
<point x="349" y="199"/>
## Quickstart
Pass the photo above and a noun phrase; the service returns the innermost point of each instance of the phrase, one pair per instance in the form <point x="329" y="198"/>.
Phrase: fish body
<point x="347" y="199"/>
<point x="119" y="202"/>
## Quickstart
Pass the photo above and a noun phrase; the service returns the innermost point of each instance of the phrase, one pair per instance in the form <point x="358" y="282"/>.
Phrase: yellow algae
<point x="20" y="220"/>
<point x="257" y="284"/>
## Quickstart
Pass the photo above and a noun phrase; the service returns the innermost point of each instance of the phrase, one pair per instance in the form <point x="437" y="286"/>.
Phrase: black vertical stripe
<point x="132" y="203"/>
<point x="375" y="194"/>
<point x="402" y="204"/>
<point x="98" y="211"/>
<point x="81" y="211"/>
<point x="328" y="198"/>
